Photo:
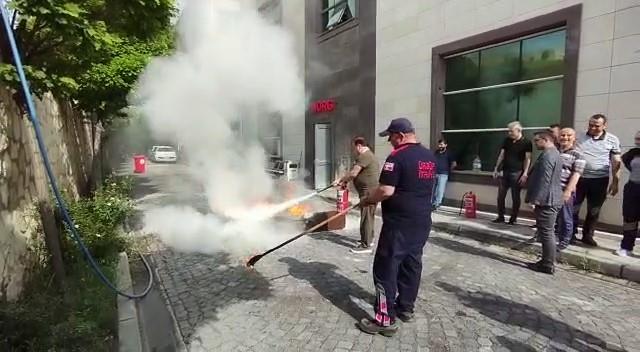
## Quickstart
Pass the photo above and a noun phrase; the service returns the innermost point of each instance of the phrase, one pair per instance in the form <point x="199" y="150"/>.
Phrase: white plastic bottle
<point x="477" y="164"/>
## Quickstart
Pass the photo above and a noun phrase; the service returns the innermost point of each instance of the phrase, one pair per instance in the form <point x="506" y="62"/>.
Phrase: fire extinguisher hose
<point x="462" y="203"/>
<point x="32" y="113"/>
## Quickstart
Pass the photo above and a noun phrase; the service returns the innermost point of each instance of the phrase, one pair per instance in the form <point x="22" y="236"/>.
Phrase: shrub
<point x="41" y="320"/>
<point x="98" y="218"/>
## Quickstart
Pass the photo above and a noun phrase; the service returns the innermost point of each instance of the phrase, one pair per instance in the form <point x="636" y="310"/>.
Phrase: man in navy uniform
<point x="405" y="190"/>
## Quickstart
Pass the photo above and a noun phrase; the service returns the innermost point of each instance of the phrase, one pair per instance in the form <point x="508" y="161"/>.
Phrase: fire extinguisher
<point x="469" y="205"/>
<point x="342" y="200"/>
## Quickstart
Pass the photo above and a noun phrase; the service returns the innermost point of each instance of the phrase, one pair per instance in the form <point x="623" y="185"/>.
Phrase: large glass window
<point x="335" y="12"/>
<point x="520" y="80"/>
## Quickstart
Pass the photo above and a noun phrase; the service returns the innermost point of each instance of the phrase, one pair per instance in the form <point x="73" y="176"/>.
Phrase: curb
<point x="577" y="259"/>
<point x="583" y="261"/>
<point x="180" y="338"/>
<point x="129" y="338"/>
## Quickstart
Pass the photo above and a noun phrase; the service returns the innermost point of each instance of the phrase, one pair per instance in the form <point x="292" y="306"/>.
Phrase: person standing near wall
<point x="445" y="163"/>
<point x="514" y="161"/>
<point x="601" y="150"/>
<point x="544" y="192"/>
<point x="572" y="168"/>
<point x="631" y="200"/>
<point x="364" y="174"/>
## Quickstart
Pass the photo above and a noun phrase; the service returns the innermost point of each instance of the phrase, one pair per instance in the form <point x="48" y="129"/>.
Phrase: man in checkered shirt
<point x="573" y="165"/>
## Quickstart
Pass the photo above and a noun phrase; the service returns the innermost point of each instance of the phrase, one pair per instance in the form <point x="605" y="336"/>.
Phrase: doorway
<point x="322" y="158"/>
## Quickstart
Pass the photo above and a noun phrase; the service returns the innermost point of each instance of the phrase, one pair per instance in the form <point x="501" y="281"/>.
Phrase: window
<point x="485" y="89"/>
<point x="335" y="12"/>
<point x="273" y="146"/>
<point x="270" y="133"/>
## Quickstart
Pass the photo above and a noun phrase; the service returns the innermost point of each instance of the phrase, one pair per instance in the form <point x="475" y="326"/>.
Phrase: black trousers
<point x="594" y="190"/>
<point x="397" y="270"/>
<point x="509" y="180"/>
<point x="630" y="215"/>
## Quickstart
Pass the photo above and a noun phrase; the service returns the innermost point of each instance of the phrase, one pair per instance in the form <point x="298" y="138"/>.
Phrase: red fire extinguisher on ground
<point x="470" y="205"/>
<point x="342" y="200"/>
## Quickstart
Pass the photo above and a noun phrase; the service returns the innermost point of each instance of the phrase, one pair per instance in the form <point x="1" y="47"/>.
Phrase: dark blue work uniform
<point x="406" y="223"/>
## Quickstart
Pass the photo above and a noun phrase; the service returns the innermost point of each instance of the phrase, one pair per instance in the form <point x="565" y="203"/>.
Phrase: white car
<point x="161" y="153"/>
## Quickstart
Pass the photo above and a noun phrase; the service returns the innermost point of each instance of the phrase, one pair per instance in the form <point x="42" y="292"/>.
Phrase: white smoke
<point x="231" y="65"/>
<point x="185" y="229"/>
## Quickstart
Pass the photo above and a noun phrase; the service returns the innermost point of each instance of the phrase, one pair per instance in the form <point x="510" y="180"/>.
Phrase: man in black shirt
<point x="514" y="161"/>
<point x="445" y="163"/>
<point x="554" y="129"/>
<point x="406" y="186"/>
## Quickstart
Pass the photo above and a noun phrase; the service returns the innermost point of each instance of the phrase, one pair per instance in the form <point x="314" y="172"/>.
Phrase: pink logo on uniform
<point x="388" y="166"/>
<point x="426" y="170"/>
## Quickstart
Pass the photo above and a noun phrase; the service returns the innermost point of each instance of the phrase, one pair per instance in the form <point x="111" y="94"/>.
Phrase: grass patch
<point x="41" y="320"/>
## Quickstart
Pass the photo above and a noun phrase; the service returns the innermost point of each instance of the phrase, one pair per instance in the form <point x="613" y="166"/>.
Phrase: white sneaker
<point x="361" y="249"/>
<point x="622" y="252"/>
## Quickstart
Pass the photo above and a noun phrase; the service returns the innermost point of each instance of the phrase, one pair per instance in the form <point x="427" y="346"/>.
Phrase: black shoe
<point x="372" y="327"/>
<point x="499" y="220"/>
<point x="406" y="317"/>
<point x="589" y="241"/>
<point x="561" y="247"/>
<point x="541" y="268"/>
<point x="513" y="221"/>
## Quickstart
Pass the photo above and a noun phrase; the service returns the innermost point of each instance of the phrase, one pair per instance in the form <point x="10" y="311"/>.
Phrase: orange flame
<point x="299" y="210"/>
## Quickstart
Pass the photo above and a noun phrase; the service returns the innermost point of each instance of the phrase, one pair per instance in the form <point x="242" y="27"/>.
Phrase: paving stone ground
<point x="308" y="296"/>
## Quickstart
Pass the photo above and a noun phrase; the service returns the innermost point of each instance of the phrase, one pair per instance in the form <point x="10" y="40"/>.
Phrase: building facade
<point x="461" y="70"/>
<point x="340" y="41"/>
<point x="283" y="138"/>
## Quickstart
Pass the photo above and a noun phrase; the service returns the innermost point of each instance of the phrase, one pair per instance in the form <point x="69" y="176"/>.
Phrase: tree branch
<point x="40" y="49"/>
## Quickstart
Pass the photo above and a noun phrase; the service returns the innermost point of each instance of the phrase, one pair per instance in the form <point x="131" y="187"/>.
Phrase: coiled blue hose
<point x="45" y="159"/>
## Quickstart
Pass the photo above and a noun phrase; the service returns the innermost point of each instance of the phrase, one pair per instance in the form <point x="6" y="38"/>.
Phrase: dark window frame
<point x="324" y="10"/>
<point x="569" y="17"/>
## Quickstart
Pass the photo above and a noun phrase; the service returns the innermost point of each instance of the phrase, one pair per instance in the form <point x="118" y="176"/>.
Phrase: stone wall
<point x="23" y="180"/>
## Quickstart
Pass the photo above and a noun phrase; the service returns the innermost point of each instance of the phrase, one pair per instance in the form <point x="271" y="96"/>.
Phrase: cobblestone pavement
<point x="308" y="296"/>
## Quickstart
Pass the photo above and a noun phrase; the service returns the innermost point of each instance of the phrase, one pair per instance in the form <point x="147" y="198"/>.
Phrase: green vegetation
<point x="85" y="318"/>
<point x="98" y="221"/>
<point x="90" y="52"/>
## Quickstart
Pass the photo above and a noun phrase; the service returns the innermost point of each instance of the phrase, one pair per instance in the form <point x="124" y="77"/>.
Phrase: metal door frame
<point x="329" y="153"/>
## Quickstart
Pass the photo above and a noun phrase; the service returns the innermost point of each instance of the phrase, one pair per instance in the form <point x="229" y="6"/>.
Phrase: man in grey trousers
<point x="545" y="194"/>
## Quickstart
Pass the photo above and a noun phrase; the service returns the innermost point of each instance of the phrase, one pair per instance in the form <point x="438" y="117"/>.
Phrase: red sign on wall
<point x="321" y="106"/>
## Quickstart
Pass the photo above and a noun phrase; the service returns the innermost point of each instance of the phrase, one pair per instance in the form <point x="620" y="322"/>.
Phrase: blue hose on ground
<point x="45" y="159"/>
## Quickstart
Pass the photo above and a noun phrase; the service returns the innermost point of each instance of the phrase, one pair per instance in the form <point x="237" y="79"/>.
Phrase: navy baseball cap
<point x="399" y="125"/>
